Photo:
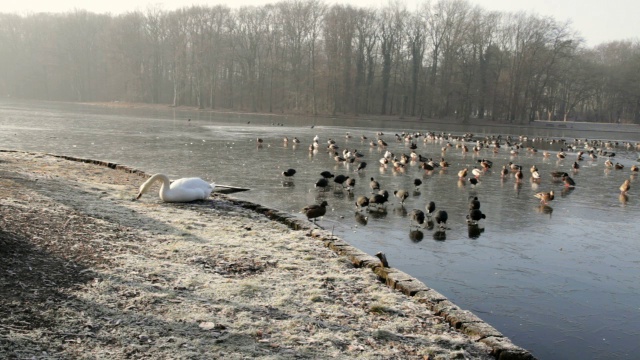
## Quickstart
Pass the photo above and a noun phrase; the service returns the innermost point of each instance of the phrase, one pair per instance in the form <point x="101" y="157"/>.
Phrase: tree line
<point x="446" y="59"/>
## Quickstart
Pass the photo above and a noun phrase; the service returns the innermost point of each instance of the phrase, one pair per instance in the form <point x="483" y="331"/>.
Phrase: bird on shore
<point x="315" y="211"/>
<point x="624" y="188"/>
<point x="181" y="190"/>
<point x="545" y="197"/>
<point x="401" y="194"/>
<point x="417" y="216"/>
<point x="289" y="172"/>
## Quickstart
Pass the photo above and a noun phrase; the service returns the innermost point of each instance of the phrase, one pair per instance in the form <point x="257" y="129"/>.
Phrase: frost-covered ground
<point x="86" y="272"/>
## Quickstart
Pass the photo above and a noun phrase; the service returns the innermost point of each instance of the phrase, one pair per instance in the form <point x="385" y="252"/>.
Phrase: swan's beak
<point x="138" y="197"/>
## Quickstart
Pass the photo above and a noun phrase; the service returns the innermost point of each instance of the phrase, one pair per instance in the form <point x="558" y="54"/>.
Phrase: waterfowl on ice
<point x="545" y="197"/>
<point x="315" y="211"/>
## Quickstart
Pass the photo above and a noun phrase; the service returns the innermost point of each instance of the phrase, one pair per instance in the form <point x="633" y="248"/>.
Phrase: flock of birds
<point x="377" y="199"/>
<point x="190" y="189"/>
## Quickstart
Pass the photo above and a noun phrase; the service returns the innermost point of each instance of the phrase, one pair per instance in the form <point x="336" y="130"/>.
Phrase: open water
<point x="562" y="281"/>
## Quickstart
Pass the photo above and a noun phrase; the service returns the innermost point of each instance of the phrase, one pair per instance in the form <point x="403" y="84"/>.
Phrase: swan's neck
<point x="157" y="177"/>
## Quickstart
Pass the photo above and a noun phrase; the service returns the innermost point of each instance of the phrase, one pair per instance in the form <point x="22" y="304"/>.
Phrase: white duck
<point x="181" y="190"/>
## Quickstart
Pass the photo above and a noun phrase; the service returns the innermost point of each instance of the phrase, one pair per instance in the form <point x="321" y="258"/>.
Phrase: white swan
<point x="181" y="190"/>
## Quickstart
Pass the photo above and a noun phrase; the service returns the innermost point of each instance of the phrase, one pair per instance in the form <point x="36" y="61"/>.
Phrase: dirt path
<point x="85" y="272"/>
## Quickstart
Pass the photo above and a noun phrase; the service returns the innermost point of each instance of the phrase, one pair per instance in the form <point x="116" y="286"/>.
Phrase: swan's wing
<point x="189" y="183"/>
<point x="188" y="189"/>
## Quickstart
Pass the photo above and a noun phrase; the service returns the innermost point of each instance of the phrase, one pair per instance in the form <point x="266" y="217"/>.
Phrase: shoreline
<point x="291" y="292"/>
<point x="537" y="124"/>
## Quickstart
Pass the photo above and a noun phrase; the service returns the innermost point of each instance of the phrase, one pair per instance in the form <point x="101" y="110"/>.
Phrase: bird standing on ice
<point x="181" y="190"/>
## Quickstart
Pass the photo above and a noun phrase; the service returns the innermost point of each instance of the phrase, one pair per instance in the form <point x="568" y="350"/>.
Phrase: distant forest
<point x="446" y="59"/>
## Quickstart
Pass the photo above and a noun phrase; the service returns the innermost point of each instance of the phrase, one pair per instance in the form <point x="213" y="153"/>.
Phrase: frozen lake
<point x="561" y="281"/>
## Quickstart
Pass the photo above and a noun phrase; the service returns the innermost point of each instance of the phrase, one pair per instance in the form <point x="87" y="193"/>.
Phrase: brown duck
<point x="315" y="211"/>
<point x="545" y="197"/>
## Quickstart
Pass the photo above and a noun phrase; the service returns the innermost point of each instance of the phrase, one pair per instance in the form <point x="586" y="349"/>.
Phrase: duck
<point x="401" y="194"/>
<point x="474" y="204"/>
<point x="474" y="216"/>
<point x="431" y="207"/>
<point x="545" y="197"/>
<point x="535" y="175"/>
<point x="322" y="183"/>
<point x="463" y="173"/>
<point x="561" y="155"/>
<point x="519" y="176"/>
<point x="350" y="183"/>
<point x="289" y="172"/>
<point x="362" y="202"/>
<point x="568" y="181"/>
<point x="558" y="174"/>
<point x="634" y="168"/>
<point x="326" y="174"/>
<point x="441" y="218"/>
<point x="340" y="179"/>
<point x="624" y="188"/>
<point x="417" y="182"/>
<point x="315" y="211"/>
<point x="417" y="216"/>
<point x="380" y="198"/>
<point x="504" y="172"/>
<point x="374" y="185"/>
<point x="181" y="190"/>
<point x="361" y="166"/>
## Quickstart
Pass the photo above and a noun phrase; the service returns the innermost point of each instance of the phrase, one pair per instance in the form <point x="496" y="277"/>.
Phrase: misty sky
<point x="596" y="20"/>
